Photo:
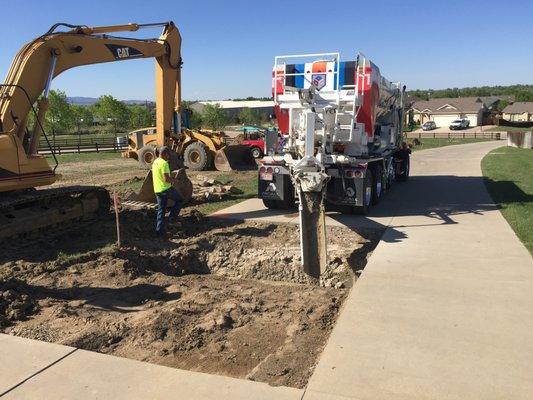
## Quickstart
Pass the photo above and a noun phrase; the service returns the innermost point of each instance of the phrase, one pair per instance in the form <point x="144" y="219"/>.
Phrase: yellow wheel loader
<point x="199" y="150"/>
<point x="22" y="169"/>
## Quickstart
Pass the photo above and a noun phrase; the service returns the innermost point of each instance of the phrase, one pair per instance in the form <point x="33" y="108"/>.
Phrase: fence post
<point x="433" y="135"/>
<point x="463" y="134"/>
<point x="97" y="147"/>
<point x="78" y="148"/>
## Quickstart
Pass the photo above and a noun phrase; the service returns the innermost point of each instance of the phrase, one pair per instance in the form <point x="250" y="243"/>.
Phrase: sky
<point x="228" y="47"/>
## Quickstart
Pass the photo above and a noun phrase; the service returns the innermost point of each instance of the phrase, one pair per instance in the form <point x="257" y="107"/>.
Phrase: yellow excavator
<point x="25" y="91"/>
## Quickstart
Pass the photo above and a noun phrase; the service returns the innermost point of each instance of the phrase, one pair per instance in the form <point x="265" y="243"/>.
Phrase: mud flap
<point x="313" y="232"/>
<point x="234" y="157"/>
<point x="183" y="185"/>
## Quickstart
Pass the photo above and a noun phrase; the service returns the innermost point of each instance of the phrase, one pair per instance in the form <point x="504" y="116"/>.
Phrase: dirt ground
<point x="216" y="296"/>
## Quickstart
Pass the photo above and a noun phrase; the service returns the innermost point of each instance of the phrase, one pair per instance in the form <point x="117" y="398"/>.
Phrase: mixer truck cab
<point x="340" y="124"/>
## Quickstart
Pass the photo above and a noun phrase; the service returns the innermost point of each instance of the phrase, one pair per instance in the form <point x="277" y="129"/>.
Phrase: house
<point x="520" y="111"/>
<point x="234" y="107"/>
<point x="444" y="111"/>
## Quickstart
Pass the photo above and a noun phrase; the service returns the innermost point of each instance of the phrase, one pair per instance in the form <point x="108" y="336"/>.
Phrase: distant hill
<point x="82" y="101"/>
<point x="89" y="101"/>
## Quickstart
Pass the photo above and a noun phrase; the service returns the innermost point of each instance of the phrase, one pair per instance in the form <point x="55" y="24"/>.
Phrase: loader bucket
<point x="184" y="187"/>
<point x="234" y="157"/>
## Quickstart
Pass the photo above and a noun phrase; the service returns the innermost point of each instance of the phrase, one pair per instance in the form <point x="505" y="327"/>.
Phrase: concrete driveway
<point x="444" y="308"/>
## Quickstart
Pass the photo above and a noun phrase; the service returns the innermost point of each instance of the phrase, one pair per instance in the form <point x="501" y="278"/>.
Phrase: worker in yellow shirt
<point x="164" y="190"/>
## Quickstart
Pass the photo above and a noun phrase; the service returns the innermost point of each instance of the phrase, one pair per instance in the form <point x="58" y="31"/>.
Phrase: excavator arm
<point x="39" y="61"/>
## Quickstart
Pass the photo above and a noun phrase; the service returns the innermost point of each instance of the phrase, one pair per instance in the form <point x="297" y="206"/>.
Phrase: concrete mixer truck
<point x="341" y="133"/>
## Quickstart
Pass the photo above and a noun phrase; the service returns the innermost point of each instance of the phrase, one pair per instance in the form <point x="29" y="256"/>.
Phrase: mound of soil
<point x="217" y="296"/>
<point x="15" y="303"/>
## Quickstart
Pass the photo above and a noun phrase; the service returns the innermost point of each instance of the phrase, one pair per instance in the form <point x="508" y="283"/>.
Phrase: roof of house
<point x="519" y="107"/>
<point x="447" y="105"/>
<point x="491" y="100"/>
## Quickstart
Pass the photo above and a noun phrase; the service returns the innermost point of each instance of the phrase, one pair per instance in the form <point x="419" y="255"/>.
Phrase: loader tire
<point x="196" y="156"/>
<point x="146" y="156"/>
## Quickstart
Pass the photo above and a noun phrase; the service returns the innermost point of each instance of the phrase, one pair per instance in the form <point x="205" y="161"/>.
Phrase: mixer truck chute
<point x="341" y="129"/>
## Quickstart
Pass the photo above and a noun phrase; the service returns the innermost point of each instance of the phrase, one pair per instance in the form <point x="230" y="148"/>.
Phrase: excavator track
<point x="29" y="212"/>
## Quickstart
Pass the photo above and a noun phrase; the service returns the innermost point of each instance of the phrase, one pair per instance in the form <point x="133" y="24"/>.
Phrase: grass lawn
<point x="509" y="180"/>
<point x="80" y="157"/>
<point x="430" y="143"/>
<point x="508" y="129"/>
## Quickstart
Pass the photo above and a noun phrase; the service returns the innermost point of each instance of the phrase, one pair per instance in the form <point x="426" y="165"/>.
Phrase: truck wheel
<point x="405" y="175"/>
<point x="256" y="152"/>
<point x="196" y="156"/>
<point x="271" y="204"/>
<point x="367" y="195"/>
<point x="146" y="156"/>
<point x="289" y="202"/>
<point x="378" y="184"/>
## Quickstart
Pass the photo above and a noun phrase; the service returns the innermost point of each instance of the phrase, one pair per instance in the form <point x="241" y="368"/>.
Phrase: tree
<point x="196" y="120"/>
<point x="112" y="111"/>
<point x="59" y="117"/>
<point x="83" y="116"/>
<point x="248" y="116"/>
<point x="213" y="116"/>
<point x="140" y="117"/>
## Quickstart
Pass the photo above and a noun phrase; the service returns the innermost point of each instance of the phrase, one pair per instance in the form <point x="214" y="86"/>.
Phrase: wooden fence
<point x="82" y="145"/>
<point x="453" y="135"/>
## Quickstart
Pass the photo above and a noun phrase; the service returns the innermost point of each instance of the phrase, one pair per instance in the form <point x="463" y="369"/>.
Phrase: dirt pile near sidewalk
<point x="217" y="296"/>
<point x="15" y="303"/>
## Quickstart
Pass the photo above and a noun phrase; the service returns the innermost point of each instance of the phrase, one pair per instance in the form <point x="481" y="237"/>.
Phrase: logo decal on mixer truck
<point x="123" y="52"/>
<point x="319" y="80"/>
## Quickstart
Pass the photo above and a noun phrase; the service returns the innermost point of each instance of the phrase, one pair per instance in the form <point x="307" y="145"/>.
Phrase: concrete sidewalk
<point x="254" y="210"/>
<point x="34" y="370"/>
<point x="444" y="308"/>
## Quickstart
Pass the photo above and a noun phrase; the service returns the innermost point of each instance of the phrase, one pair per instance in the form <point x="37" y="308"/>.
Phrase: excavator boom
<point x="28" y="82"/>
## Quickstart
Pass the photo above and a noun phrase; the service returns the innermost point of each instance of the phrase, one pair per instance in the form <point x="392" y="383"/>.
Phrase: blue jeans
<point x="162" y="199"/>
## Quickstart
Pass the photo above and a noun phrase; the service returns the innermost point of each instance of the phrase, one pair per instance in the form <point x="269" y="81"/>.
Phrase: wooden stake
<point x="115" y="202"/>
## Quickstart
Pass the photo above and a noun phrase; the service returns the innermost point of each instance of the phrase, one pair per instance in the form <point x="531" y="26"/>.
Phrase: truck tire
<point x="405" y="175"/>
<point x="271" y="204"/>
<point x="367" y="195"/>
<point x="146" y="156"/>
<point x="378" y="184"/>
<point x="256" y="152"/>
<point x="288" y="203"/>
<point x="196" y="156"/>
